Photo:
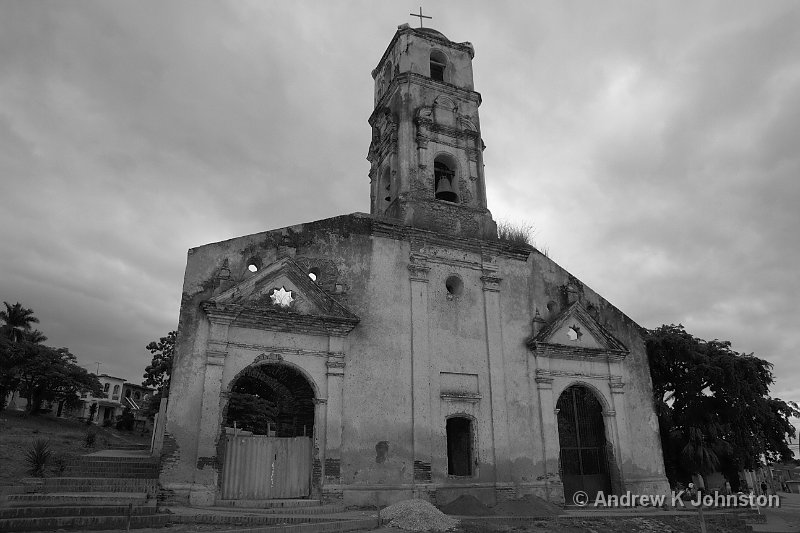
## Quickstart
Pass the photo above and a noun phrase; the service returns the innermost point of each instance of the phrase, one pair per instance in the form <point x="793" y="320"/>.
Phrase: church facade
<point x="408" y="352"/>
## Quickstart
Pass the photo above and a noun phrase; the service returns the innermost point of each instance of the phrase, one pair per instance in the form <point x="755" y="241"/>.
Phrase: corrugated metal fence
<point x="260" y="468"/>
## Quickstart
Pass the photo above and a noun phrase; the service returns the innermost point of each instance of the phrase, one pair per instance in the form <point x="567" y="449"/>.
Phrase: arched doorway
<point x="268" y="425"/>
<point x="584" y="451"/>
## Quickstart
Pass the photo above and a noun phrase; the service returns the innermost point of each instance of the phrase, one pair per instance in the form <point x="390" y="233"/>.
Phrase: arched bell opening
<point x="444" y="173"/>
<point x="585" y="455"/>
<point x="438" y="65"/>
<point x="275" y="400"/>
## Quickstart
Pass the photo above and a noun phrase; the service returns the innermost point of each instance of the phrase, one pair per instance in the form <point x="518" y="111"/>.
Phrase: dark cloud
<point x="652" y="145"/>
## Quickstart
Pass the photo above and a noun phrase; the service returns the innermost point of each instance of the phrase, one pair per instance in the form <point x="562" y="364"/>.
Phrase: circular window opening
<point x="552" y="307"/>
<point x="454" y="286"/>
<point x="252" y="267"/>
<point x="313" y="273"/>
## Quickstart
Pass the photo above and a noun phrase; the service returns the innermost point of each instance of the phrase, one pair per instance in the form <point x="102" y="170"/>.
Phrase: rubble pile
<point x="417" y="515"/>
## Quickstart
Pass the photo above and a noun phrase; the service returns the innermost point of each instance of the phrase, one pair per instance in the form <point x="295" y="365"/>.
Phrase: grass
<point x="66" y="437"/>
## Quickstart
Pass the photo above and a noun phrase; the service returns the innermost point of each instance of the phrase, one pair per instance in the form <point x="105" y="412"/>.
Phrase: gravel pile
<point x="417" y="515"/>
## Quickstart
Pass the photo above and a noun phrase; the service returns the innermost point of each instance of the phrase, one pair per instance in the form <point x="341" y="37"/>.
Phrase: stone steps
<point x="75" y="499"/>
<point x="94" y="472"/>
<point x="330" y="509"/>
<point x="130" y="447"/>
<point x="43" y="511"/>
<point x="355" y="524"/>
<point x="83" y="523"/>
<point x="111" y="492"/>
<point x="109" y="461"/>
<point x="267" y="504"/>
<point x="91" y="484"/>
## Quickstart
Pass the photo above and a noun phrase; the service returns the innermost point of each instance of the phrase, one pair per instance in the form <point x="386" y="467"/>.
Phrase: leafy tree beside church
<point x="40" y="373"/>
<point x="714" y="408"/>
<point x="158" y="372"/>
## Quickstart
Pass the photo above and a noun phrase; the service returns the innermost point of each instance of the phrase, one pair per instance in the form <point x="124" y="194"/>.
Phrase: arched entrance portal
<point x="584" y="450"/>
<point x="268" y="425"/>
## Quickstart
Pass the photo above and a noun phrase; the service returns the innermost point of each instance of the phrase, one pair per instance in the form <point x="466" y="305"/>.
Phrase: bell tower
<point x="426" y="153"/>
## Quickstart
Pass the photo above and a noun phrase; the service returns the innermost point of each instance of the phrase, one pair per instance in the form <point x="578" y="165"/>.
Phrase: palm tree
<point x="18" y="322"/>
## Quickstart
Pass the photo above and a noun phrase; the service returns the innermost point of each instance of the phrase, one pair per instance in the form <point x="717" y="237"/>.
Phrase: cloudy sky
<point x="654" y="146"/>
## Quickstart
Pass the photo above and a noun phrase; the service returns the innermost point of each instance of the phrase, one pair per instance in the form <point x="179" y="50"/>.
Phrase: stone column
<point x="497" y="373"/>
<point x="550" y="445"/>
<point x="616" y="428"/>
<point x="420" y="368"/>
<point x="208" y="463"/>
<point x="319" y="444"/>
<point x="333" y="431"/>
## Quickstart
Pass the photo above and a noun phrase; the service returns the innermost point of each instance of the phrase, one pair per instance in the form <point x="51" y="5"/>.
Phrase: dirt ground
<point x="550" y="525"/>
<point x="66" y="437"/>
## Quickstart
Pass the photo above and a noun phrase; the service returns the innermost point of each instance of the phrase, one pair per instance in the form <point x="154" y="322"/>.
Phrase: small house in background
<point x="117" y="395"/>
<point x="137" y="397"/>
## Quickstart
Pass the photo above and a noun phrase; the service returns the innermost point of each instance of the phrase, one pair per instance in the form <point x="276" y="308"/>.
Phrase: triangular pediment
<point x="279" y="295"/>
<point x="576" y="328"/>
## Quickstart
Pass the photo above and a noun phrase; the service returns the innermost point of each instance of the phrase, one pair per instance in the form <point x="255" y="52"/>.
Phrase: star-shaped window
<point x="574" y="333"/>
<point x="281" y="297"/>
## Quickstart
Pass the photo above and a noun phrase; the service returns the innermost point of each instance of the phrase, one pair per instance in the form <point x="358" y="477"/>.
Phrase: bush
<point x="60" y="461"/>
<point x="92" y="411"/>
<point x="515" y="232"/>
<point x="91" y="438"/>
<point x="126" y="420"/>
<point x="38" y="456"/>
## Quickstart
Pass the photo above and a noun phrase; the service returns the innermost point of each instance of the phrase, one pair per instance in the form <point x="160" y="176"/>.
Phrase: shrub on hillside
<point x="60" y="461"/>
<point x="91" y="438"/>
<point x="38" y="456"/>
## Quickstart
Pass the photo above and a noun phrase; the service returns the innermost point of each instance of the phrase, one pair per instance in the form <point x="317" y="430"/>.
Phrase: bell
<point x="445" y="192"/>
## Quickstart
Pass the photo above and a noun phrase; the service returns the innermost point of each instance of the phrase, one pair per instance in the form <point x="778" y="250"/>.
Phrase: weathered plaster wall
<point x="392" y="412"/>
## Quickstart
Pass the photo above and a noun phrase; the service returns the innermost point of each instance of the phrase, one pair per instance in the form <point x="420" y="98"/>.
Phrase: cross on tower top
<point x="420" y="16"/>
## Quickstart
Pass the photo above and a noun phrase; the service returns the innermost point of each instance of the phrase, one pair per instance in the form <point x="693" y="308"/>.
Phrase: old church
<point x="408" y="352"/>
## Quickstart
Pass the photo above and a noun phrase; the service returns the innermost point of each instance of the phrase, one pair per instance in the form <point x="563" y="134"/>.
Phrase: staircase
<point x="290" y="515"/>
<point x="112" y="489"/>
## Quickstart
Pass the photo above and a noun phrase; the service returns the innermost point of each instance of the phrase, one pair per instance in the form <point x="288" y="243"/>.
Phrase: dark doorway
<point x="459" y="446"/>
<point x="582" y="439"/>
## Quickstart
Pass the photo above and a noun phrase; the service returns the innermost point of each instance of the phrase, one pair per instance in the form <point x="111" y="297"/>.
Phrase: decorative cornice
<point x="578" y="353"/>
<point x="418" y="268"/>
<point x="550" y="374"/>
<point x="215" y="359"/>
<point x="285" y="320"/>
<point x="268" y="357"/>
<point x="284" y="350"/>
<point x="491" y="283"/>
<point x="386" y="227"/>
<point x="467" y="397"/>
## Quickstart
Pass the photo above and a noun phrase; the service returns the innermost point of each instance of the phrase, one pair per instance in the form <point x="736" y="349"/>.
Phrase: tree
<point x="50" y="374"/>
<point x="159" y="371"/>
<point x="17" y="321"/>
<point x="17" y="338"/>
<point x="713" y="406"/>
<point x="251" y="412"/>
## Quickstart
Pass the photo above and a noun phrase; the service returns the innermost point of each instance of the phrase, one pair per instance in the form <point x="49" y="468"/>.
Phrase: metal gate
<point x="582" y="439"/>
<point x="258" y="467"/>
